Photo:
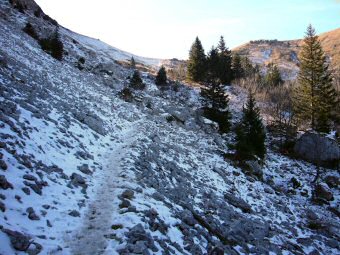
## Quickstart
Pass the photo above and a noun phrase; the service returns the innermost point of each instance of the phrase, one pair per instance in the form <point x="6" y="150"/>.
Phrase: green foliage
<point x="136" y="81"/>
<point x="273" y="76"/>
<point x="161" y="77"/>
<point x="212" y="66"/>
<point x="53" y="46"/>
<point x="315" y="97"/>
<point x="237" y="68"/>
<point x="224" y="68"/>
<point x="196" y="62"/>
<point x="216" y="103"/>
<point x="250" y="133"/>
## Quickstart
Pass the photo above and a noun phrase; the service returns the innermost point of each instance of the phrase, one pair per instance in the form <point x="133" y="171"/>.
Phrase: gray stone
<point x="187" y="217"/>
<point x="3" y="165"/>
<point x="4" y="184"/>
<point x="322" y="193"/>
<point x="332" y="181"/>
<point x="26" y="190"/>
<point x="77" y="179"/>
<point x="84" y="169"/>
<point x="317" y="149"/>
<point x="2" y="207"/>
<point x="18" y="240"/>
<point x="124" y="204"/>
<point x="74" y="213"/>
<point x="29" y="177"/>
<point x="128" y="194"/>
<point x="255" y="169"/>
<point x="36" y="188"/>
<point x="238" y="202"/>
<point x="31" y="214"/>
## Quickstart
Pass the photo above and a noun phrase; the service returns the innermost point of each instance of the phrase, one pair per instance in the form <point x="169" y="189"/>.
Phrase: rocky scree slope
<point x="82" y="168"/>
<point x="285" y="53"/>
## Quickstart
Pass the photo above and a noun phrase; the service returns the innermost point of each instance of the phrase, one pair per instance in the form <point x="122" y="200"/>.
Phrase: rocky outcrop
<point x="317" y="149"/>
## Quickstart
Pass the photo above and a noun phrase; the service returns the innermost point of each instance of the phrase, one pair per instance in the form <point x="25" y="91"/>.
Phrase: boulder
<point x="255" y="169"/>
<point x="19" y="241"/>
<point x="238" y="202"/>
<point x="322" y="193"/>
<point x="317" y="149"/>
<point x="4" y="184"/>
<point x="77" y="179"/>
<point x="332" y="181"/>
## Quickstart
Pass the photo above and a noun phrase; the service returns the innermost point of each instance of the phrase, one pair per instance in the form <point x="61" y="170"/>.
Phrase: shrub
<point x="53" y="46"/>
<point x="161" y="76"/>
<point x="126" y="94"/>
<point x="29" y="29"/>
<point x="136" y="82"/>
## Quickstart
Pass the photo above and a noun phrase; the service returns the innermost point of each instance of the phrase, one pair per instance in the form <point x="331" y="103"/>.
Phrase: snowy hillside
<point x="84" y="172"/>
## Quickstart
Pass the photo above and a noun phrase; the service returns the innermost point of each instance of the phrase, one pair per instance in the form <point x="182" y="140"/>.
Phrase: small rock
<point x="128" y="194"/>
<point x="48" y="223"/>
<point x="36" y="188"/>
<point x="2" y="207"/>
<point x="4" y="184"/>
<point x="29" y="177"/>
<point x="2" y="196"/>
<point x="238" y="202"/>
<point x="74" y="213"/>
<point x="124" y="204"/>
<point x="26" y="190"/>
<point x="46" y="207"/>
<point x="3" y="165"/>
<point x="31" y="214"/>
<point x="77" y="179"/>
<point x="84" y="169"/>
<point x="322" y="193"/>
<point x="332" y="181"/>
<point x="17" y="197"/>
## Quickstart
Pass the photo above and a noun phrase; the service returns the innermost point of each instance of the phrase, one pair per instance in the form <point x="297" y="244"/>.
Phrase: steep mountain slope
<point x="285" y="53"/>
<point x="84" y="172"/>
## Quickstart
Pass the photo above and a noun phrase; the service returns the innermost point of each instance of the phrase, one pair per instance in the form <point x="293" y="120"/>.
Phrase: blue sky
<point x="167" y="28"/>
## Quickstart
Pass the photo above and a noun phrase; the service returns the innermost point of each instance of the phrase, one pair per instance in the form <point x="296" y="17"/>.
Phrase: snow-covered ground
<point x="88" y="173"/>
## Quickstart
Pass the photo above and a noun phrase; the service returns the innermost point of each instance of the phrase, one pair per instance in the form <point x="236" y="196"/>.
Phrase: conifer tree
<point x="315" y="97"/>
<point x="213" y="66"/>
<point x="225" y="59"/>
<point x="136" y="82"/>
<point x="237" y="68"/>
<point x="250" y="133"/>
<point x="273" y="76"/>
<point x="132" y="62"/>
<point x="216" y="103"/>
<point x="161" y="76"/>
<point x="196" y="62"/>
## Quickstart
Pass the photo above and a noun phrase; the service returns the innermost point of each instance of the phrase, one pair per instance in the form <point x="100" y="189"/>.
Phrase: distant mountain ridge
<point x="285" y="53"/>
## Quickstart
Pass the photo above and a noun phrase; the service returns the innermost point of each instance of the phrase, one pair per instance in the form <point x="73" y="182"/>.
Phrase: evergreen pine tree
<point x="250" y="133"/>
<point x="161" y="76"/>
<point x="196" y="62"/>
<point x="216" y="103"/>
<point x="132" y="62"/>
<point x="213" y="66"/>
<point x="225" y="59"/>
<point x="237" y="68"/>
<point x="57" y="46"/>
<point x="273" y="76"/>
<point x="136" y="82"/>
<point x="315" y="97"/>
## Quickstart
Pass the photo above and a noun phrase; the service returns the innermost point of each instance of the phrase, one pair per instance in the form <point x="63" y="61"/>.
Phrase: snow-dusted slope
<point x="84" y="172"/>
